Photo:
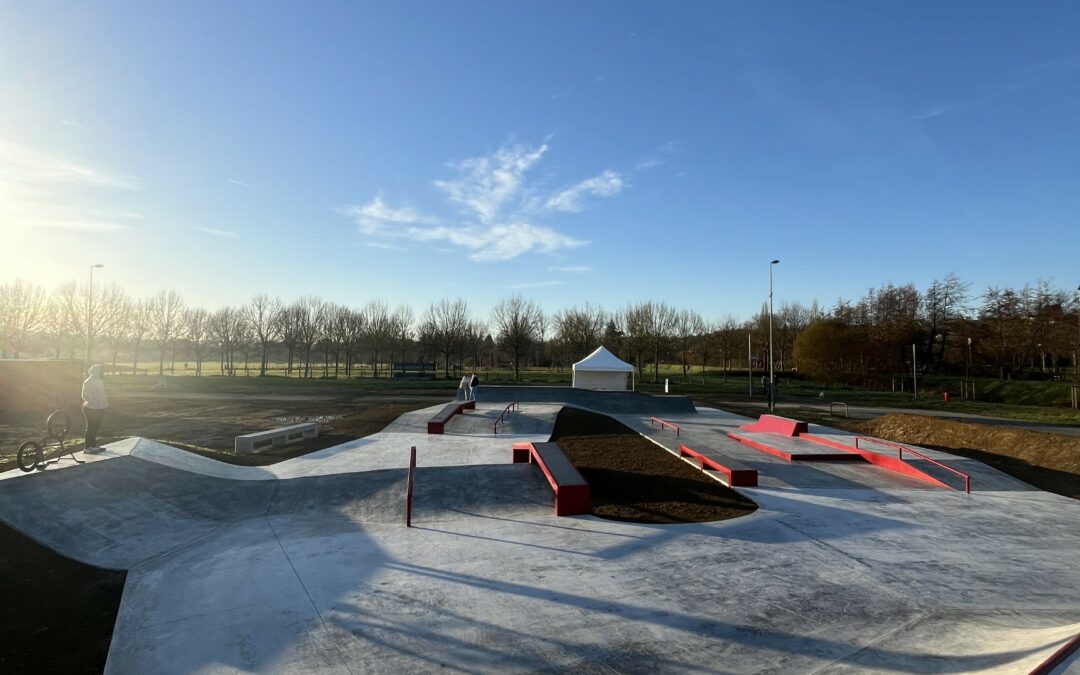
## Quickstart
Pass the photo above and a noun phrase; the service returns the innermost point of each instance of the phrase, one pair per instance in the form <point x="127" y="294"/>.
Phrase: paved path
<point x="306" y="566"/>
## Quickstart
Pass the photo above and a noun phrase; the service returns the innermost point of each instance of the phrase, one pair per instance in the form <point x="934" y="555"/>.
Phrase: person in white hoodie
<point x="95" y="403"/>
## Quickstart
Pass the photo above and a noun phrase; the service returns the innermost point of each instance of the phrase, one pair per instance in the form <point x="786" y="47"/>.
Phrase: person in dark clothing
<point x="474" y="384"/>
<point x="95" y="403"/>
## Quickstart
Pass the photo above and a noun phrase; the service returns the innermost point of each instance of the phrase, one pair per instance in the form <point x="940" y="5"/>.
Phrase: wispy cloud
<point x="500" y="242"/>
<point x="576" y="269"/>
<point x="43" y="191"/>
<point x="383" y="245"/>
<point x="1015" y="80"/>
<point x="68" y="122"/>
<point x="534" y="284"/>
<point x="488" y="182"/>
<point x="606" y="184"/>
<point x="242" y="184"/>
<point x="497" y="208"/>
<point x="224" y="234"/>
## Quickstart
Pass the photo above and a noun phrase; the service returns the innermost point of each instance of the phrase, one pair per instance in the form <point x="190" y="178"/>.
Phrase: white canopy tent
<point x="602" y="370"/>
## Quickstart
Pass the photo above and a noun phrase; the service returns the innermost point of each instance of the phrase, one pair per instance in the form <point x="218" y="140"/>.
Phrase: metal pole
<point x="772" y="379"/>
<point x="967" y="370"/>
<point x="914" y="374"/>
<point x="409" y="488"/>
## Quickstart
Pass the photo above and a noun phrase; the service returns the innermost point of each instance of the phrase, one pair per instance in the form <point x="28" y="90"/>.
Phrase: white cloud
<point x="488" y="182"/>
<point x="499" y="242"/>
<point x="576" y="269"/>
<point x="224" y="234"/>
<point x="383" y="245"/>
<point x="375" y="216"/>
<point x="606" y="184"/>
<point x="499" y="209"/>
<point x="242" y="184"/>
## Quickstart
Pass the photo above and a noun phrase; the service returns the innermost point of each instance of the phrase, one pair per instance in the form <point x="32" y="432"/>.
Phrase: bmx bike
<point x="32" y="454"/>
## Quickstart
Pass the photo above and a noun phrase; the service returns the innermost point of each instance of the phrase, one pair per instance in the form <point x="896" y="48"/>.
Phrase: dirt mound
<point x="632" y="479"/>
<point x="1047" y="461"/>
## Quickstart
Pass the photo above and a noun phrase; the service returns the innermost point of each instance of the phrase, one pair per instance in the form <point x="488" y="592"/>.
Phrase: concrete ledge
<point x="572" y="497"/>
<point x="737" y="473"/>
<point x="260" y="440"/>
<point x="437" y="424"/>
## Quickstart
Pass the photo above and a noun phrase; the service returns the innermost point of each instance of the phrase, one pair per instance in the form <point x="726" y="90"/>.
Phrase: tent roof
<point x="603" y="360"/>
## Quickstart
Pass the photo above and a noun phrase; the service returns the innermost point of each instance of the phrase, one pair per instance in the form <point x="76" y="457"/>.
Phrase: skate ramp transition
<point x="131" y="510"/>
<point x="602" y="401"/>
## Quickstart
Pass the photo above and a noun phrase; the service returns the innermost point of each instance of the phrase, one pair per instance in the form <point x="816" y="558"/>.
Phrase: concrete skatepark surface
<point x="306" y="566"/>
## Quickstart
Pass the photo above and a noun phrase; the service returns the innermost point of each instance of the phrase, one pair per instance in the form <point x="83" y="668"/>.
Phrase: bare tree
<point x="402" y="324"/>
<point x="167" y="310"/>
<point x="517" y="326"/>
<point x="448" y="320"/>
<point x="198" y="327"/>
<point x="138" y="328"/>
<point x="579" y="331"/>
<point x="290" y="329"/>
<point x="312" y="322"/>
<point x="22" y="308"/>
<point x="689" y="327"/>
<point x="261" y="316"/>
<point x="378" y="331"/>
<point x="118" y="327"/>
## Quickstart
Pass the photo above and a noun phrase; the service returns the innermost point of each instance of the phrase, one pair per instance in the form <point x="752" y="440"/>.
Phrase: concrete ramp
<point x="627" y="402"/>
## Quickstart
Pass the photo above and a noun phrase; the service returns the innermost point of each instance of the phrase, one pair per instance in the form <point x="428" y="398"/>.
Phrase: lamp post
<point x="1076" y="354"/>
<point x="90" y="313"/>
<point x="967" y="372"/>
<point x="772" y="379"/>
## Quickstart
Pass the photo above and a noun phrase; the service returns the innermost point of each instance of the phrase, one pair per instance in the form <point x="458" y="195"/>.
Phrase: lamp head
<point x="774" y="262"/>
<point x="97" y="266"/>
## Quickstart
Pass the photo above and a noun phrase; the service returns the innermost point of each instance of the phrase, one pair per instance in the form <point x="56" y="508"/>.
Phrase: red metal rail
<point x="504" y="414"/>
<point x="901" y="449"/>
<point x="664" y="423"/>
<point x="409" y="488"/>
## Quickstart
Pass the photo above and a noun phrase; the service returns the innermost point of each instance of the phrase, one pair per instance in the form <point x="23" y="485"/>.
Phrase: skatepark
<point x="307" y="565"/>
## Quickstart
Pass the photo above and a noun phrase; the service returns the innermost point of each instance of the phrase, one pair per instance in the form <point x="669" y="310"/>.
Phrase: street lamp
<point x="90" y="313"/>
<point x="772" y="379"/>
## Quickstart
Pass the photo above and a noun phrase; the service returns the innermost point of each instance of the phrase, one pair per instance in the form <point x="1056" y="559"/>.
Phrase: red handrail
<point x="901" y="449"/>
<point x="663" y="424"/>
<point x="505" y="413"/>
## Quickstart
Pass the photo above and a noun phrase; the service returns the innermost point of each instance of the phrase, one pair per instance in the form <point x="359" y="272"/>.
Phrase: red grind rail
<point x="900" y="456"/>
<point x="409" y="487"/>
<point x="504" y="414"/>
<point x="664" y="424"/>
<point x="1058" y="657"/>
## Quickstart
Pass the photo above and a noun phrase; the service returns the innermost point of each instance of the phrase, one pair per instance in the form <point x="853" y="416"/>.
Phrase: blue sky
<point x="603" y="152"/>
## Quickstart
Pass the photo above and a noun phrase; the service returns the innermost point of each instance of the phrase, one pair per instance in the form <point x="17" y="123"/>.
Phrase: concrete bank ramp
<point x="123" y="512"/>
<point x="602" y="401"/>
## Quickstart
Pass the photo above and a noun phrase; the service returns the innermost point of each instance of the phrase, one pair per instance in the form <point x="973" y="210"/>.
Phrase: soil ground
<point x="1048" y="461"/>
<point x="57" y="615"/>
<point x="204" y="414"/>
<point x="632" y="479"/>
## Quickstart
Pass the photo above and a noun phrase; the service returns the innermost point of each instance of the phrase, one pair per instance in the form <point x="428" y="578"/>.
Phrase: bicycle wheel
<point x="58" y="424"/>
<point x="30" y="455"/>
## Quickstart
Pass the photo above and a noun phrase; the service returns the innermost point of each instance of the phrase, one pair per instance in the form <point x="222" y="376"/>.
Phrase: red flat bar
<point x="572" y="495"/>
<point x="884" y="461"/>
<point x="768" y="449"/>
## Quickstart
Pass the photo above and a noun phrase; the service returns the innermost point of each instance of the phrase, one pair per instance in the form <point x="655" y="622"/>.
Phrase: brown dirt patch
<point x="1048" y="461"/>
<point x="57" y="615"/>
<point x="335" y="432"/>
<point x="632" y="479"/>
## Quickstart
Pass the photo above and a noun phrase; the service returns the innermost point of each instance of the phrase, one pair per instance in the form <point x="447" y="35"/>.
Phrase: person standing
<point x="474" y="385"/>
<point x="95" y="403"/>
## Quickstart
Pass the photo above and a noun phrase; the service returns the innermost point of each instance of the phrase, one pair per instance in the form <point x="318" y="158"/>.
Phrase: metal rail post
<point x="409" y="488"/>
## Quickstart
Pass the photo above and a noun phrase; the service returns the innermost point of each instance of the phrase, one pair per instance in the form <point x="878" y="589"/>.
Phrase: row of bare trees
<point x="1004" y="331"/>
